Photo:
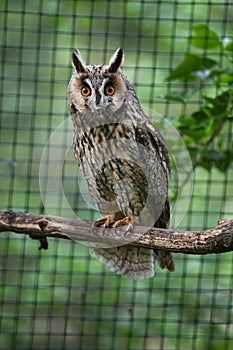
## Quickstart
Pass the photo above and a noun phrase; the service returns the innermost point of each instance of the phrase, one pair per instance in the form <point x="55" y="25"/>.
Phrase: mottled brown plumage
<point x="123" y="158"/>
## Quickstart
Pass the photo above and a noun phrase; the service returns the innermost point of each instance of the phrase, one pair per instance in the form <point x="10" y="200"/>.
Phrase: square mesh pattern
<point x="62" y="298"/>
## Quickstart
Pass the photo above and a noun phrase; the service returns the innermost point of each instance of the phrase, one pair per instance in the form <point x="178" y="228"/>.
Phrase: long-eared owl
<point x="123" y="159"/>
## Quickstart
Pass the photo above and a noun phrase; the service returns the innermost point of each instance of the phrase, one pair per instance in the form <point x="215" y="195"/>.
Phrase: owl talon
<point x="100" y="231"/>
<point x="105" y="222"/>
<point x="126" y="233"/>
<point x="104" y="232"/>
<point x="129" y="230"/>
<point x="126" y="220"/>
<point x="100" y="222"/>
<point x="111" y="220"/>
<point x="95" y="230"/>
<point x="118" y="232"/>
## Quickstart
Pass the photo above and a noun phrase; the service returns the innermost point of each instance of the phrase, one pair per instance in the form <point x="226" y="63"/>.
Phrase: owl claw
<point x="129" y="230"/>
<point x="126" y="233"/>
<point x="95" y="230"/>
<point x="105" y="222"/>
<point x="126" y="220"/>
<point x="108" y="221"/>
<point x="101" y="221"/>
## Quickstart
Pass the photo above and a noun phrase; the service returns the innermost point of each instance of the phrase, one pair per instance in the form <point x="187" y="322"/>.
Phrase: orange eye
<point x="109" y="90"/>
<point x="85" y="91"/>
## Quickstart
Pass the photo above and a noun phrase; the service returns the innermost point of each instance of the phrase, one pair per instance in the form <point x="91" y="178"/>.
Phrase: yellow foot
<point x="127" y="220"/>
<point x="115" y="220"/>
<point x="106" y="221"/>
<point x="109" y="220"/>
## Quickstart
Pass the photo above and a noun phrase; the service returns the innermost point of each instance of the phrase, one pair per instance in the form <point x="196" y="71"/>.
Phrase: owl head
<point x="97" y="88"/>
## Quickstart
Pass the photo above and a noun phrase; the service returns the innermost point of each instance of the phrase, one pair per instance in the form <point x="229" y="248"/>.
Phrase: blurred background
<point x="62" y="298"/>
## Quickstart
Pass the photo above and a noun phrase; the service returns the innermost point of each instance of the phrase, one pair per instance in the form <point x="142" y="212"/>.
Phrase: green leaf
<point x="208" y="159"/>
<point x="190" y="64"/>
<point x="196" y="134"/>
<point x="219" y="105"/>
<point x="227" y="77"/>
<point x="226" y="160"/>
<point x="186" y="122"/>
<point x="227" y="44"/>
<point x="200" y="116"/>
<point x="203" y="37"/>
<point x="182" y="97"/>
<point x="220" y="159"/>
<point x="175" y="96"/>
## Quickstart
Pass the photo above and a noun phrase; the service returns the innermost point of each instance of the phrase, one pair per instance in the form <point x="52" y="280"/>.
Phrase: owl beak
<point x="98" y="98"/>
<point x="99" y="102"/>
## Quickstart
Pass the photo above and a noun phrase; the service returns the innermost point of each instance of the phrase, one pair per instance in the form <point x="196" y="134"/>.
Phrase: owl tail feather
<point x="165" y="259"/>
<point x="137" y="263"/>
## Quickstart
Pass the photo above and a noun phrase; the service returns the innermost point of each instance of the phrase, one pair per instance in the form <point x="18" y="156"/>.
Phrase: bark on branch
<point x="216" y="240"/>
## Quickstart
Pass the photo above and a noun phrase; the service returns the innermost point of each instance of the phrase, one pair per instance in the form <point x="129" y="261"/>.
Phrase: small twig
<point x="216" y="240"/>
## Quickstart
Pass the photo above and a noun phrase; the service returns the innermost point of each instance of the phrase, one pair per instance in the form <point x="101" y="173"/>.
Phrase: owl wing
<point x="150" y="137"/>
<point x="147" y="135"/>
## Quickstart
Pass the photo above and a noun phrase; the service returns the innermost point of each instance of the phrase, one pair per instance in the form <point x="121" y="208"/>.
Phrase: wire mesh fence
<point x="62" y="298"/>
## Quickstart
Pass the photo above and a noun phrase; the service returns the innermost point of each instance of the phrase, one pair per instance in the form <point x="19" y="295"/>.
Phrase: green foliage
<point x="204" y="130"/>
<point x="190" y="65"/>
<point x="203" y="37"/>
<point x="61" y="298"/>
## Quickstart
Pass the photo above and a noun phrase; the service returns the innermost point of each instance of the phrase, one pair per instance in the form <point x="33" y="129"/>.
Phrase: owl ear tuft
<point x="77" y="62"/>
<point x="116" y="61"/>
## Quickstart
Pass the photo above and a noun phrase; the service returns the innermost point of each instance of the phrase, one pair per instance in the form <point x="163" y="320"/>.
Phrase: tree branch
<point x="216" y="240"/>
